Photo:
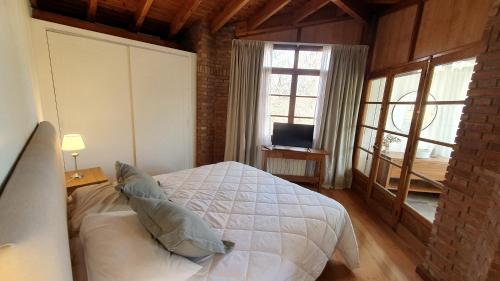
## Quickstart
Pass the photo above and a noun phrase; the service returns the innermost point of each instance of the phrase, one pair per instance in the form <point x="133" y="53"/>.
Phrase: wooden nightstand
<point x="90" y="176"/>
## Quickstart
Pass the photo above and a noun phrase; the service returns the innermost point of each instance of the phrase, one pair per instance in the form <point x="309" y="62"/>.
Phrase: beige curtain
<point x="340" y="106"/>
<point x="242" y="129"/>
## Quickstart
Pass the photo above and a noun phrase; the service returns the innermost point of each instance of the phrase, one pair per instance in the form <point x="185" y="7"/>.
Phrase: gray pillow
<point x="134" y="182"/>
<point x="178" y="229"/>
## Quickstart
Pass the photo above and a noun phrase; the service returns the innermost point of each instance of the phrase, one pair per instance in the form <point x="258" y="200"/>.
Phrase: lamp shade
<point x="72" y="142"/>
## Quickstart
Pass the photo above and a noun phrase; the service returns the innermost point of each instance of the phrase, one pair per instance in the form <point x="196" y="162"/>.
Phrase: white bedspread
<point x="282" y="231"/>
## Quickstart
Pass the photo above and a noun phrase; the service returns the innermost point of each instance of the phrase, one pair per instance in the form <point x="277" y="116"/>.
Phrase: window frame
<point x="295" y="72"/>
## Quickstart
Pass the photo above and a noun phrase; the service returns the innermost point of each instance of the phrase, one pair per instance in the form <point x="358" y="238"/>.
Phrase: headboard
<point x="33" y="227"/>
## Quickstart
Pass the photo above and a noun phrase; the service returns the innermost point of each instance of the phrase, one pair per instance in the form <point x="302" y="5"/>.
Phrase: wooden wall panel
<point x="343" y="32"/>
<point x="394" y="32"/>
<point x="449" y="24"/>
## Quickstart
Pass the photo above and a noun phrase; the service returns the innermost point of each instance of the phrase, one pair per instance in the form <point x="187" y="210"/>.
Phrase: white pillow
<point x="118" y="248"/>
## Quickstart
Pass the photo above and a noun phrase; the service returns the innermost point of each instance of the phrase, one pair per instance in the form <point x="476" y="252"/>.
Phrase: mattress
<point x="282" y="231"/>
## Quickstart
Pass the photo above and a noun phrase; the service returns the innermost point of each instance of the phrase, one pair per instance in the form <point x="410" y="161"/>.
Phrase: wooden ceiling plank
<point x="183" y="15"/>
<point x="355" y="8"/>
<point x="308" y="9"/>
<point x="141" y="13"/>
<point x="229" y="11"/>
<point x="269" y="10"/>
<point x="92" y="10"/>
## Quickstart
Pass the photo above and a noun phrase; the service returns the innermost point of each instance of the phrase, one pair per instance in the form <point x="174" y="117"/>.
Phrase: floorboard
<point x="383" y="255"/>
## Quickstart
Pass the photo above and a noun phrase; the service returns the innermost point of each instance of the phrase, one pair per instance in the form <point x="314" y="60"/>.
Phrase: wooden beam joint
<point x="183" y="15"/>
<point x="229" y="11"/>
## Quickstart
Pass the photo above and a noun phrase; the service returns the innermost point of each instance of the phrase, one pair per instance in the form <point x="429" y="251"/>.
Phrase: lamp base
<point x="76" y="176"/>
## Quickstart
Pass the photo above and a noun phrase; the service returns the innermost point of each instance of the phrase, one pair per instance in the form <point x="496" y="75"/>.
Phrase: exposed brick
<point x="465" y="239"/>
<point x="214" y="59"/>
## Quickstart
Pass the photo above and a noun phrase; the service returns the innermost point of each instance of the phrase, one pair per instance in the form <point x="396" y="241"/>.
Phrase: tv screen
<point x="297" y="135"/>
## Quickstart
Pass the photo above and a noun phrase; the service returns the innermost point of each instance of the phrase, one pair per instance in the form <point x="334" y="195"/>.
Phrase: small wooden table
<point x="298" y="153"/>
<point x="90" y="176"/>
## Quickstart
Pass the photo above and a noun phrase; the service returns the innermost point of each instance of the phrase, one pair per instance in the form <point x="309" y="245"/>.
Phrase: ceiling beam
<point x="92" y="8"/>
<point x="229" y="11"/>
<point x="282" y="22"/>
<point x="355" y="8"/>
<point x="269" y="10"/>
<point x="141" y="13"/>
<point x="183" y="15"/>
<point x="308" y="9"/>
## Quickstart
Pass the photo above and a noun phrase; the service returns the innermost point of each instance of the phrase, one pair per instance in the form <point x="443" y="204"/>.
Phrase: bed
<point x="282" y="231"/>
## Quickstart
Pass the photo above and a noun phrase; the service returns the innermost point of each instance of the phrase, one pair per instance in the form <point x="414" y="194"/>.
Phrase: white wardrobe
<point x="131" y="101"/>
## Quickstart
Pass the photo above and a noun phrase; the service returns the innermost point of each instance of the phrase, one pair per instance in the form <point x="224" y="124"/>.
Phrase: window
<point x="294" y="84"/>
<point x="407" y="131"/>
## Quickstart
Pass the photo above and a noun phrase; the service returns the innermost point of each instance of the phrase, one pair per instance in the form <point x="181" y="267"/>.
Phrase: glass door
<point x="397" y="119"/>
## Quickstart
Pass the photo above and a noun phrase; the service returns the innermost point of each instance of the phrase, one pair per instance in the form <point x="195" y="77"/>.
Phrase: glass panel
<point x="372" y="113"/>
<point x="364" y="163"/>
<point x="450" y="82"/>
<point x="388" y="175"/>
<point x="425" y="203"/>
<point x="307" y="85"/>
<point x="368" y="138"/>
<point x="305" y="121"/>
<point x="281" y="84"/>
<point x="376" y="90"/>
<point x="405" y="87"/>
<point x="279" y="105"/>
<point x="399" y="118"/>
<point x="393" y="147"/>
<point x="305" y="107"/>
<point x="310" y="59"/>
<point x="441" y="122"/>
<point x="431" y="161"/>
<point x="274" y="119"/>
<point x="283" y="58"/>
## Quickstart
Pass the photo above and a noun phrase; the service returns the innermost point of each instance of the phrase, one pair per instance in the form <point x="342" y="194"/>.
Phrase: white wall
<point x="17" y="106"/>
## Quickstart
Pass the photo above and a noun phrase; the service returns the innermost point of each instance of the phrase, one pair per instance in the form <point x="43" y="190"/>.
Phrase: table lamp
<point x="73" y="143"/>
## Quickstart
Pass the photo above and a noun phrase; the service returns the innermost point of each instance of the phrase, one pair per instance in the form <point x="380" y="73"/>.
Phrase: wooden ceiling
<point x="166" y="18"/>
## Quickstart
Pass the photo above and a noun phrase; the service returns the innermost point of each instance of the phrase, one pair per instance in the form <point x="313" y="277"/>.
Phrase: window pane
<point x="399" y="118"/>
<point x="283" y="58"/>
<point x="450" y="82"/>
<point x="278" y="105"/>
<point x="388" y="175"/>
<point x="372" y="113"/>
<point x="305" y="107"/>
<point x="425" y="203"/>
<point x="405" y="87"/>
<point x="376" y="90"/>
<point x="310" y="59"/>
<point x="428" y="175"/>
<point x="305" y="121"/>
<point x="307" y="85"/>
<point x="273" y="120"/>
<point x="364" y="163"/>
<point x="281" y="84"/>
<point x="441" y="122"/>
<point x="368" y="138"/>
<point x="393" y="147"/>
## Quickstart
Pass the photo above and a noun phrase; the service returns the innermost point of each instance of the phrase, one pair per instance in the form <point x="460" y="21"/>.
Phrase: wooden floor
<point x="383" y="255"/>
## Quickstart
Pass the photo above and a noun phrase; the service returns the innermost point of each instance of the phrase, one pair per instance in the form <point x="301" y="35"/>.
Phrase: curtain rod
<point x="303" y="44"/>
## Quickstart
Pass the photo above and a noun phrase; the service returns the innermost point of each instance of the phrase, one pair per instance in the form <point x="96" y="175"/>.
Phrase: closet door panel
<point x="92" y="92"/>
<point x="163" y="90"/>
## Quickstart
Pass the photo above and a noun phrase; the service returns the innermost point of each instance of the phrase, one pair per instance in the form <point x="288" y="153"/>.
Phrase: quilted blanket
<point x="282" y="231"/>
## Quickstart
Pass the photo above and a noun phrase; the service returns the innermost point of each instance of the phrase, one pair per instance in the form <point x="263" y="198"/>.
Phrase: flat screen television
<point x="297" y="135"/>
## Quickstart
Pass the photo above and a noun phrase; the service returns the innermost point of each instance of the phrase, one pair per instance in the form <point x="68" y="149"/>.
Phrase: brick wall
<point x="214" y="59"/>
<point x="464" y="243"/>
